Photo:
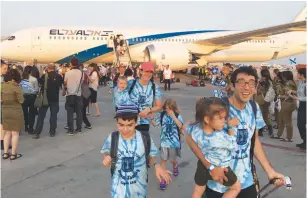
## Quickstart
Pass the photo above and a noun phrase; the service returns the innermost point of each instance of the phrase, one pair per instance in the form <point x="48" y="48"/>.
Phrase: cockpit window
<point x="11" y="38"/>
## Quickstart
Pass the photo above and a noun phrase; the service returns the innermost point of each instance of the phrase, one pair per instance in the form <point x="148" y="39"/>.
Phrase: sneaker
<point x="299" y="145"/>
<point x="88" y="127"/>
<point x="78" y="131"/>
<point x="35" y="136"/>
<point x="66" y="127"/>
<point x="176" y="171"/>
<point x="162" y="185"/>
<point x="303" y="146"/>
<point x="70" y="133"/>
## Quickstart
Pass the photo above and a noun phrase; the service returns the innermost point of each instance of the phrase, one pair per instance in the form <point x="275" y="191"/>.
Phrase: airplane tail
<point x="302" y="16"/>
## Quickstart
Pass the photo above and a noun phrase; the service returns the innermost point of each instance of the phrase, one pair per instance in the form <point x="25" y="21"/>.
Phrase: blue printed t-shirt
<point x="142" y="97"/>
<point x="215" y="71"/>
<point x="218" y="147"/>
<point x="169" y="133"/>
<point x="130" y="177"/>
<point x="121" y="98"/>
<point x="243" y="132"/>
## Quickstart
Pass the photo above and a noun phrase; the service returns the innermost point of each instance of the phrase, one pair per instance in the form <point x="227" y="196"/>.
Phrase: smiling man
<point x="244" y="81"/>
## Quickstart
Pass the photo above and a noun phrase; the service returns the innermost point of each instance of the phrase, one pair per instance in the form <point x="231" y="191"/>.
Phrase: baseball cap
<point x="126" y="110"/>
<point x="147" y="66"/>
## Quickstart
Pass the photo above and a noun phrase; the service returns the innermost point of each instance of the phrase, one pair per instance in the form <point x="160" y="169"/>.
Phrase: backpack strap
<point x="254" y="107"/>
<point x="147" y="145"/>
<point x="153" y="87"/>
<point x="132" y="86"/>
<point x="161" y="117"/>
<point x="113" y="150"/>
<point x="178" y="130"/>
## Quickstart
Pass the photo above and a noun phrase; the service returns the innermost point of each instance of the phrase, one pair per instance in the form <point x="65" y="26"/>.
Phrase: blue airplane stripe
<point x="100" y="50"/>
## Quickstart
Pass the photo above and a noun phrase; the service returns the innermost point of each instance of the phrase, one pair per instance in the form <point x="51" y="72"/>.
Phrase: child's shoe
<point x="162" y="185"/>
<point x="176" y="170"/>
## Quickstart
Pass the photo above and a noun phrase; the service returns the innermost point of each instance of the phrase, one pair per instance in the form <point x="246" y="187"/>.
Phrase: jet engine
<point x="175" y="55"/>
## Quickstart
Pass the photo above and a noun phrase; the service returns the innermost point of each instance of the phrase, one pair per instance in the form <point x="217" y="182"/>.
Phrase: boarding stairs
<point x="120" y="57"/>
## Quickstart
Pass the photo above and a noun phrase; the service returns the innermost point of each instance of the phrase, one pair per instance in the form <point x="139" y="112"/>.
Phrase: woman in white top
<point x="94" y="81"/>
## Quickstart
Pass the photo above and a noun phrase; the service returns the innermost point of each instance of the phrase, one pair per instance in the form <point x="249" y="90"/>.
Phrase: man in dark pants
<point x="53" y="86"/>
<point x="167" y="74"/>
<point x="244" y="82"/>
<point x="301" y="95"/>
<point x="74" y="102"/>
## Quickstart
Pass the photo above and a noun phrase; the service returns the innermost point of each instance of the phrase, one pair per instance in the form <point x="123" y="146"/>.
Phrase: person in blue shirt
<point x="121" y="95"/>
<point x="221" y="84"/>
<point x="217" y="146"/>
<point x="130" y="176"/>
<point x="171" y="123"/>
<point x="146" y="96"/>
<point x="244" y="81"/>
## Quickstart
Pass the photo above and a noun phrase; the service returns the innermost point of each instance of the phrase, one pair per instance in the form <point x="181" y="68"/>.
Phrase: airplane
<point x="179" y="49"/>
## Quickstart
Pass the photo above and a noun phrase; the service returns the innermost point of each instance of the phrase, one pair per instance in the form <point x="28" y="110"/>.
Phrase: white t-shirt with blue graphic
<point x="169" y="133"/>
<point x="142" y="96"/>
<point x="121" y="98"/>
<point x="240" y="163"/>
<point x="218" y="147"/>
<point x="130" y="177"/>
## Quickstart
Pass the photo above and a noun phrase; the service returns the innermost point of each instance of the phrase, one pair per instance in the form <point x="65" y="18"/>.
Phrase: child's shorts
<point x="170" y="153"/>
<point x="202" y="176"/>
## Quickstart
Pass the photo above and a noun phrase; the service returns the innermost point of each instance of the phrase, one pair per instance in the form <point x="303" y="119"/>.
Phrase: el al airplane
<point x="178" y="49"/>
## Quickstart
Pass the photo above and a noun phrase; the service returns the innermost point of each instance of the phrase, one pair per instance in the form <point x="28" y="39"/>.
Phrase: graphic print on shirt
<point x="142" y="96"/>
<point x="243" y="133"/>
<point x="169" y="132"/>
<point x="130" y="174"/>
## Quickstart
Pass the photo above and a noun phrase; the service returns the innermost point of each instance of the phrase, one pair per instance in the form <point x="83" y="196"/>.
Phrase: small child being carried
<point x="217" y="147"/>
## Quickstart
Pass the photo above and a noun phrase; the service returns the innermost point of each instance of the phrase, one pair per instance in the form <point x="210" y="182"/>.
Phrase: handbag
<point x="71" y="99"/>
<point x="85" y="91"/>
<point x="41" y="98"/>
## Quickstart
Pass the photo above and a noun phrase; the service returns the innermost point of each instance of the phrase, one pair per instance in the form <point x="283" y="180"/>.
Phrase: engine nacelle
<point x="175" y="55"/>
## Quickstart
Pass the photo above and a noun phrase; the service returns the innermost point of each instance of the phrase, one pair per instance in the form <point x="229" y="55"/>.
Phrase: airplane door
<point x="110" y="43"/>
<point x="36" y="37"/>
<point x="36" y="42"/>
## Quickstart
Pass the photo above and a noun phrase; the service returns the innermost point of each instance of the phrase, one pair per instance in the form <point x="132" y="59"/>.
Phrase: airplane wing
<point x="225" y="42"/>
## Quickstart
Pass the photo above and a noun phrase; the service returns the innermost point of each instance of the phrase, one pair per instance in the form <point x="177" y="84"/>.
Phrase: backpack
<point x="253" y="168"/>
<point x="114" y="148"/>
<point x="178" y="130"/>
<point x="153" y="87"/>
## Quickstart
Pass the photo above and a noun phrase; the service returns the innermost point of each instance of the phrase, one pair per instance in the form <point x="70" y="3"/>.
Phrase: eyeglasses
<point x="242" y="83"/>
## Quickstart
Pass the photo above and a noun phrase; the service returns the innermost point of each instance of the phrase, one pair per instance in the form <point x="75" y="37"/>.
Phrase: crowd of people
<point x="224" y="135"/>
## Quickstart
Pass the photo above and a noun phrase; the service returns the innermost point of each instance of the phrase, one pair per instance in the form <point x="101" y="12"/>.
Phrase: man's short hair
<point x="3" y="62"/>
<point x="245" y="70"/>
<point x="74" y="62"/>
<point x="51" y="66"/>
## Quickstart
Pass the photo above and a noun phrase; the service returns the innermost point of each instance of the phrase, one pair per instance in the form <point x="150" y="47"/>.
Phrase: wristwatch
<point x="211" y="167"/>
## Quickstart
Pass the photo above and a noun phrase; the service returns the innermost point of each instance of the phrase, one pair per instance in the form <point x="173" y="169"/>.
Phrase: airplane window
<point x="93" y="38"/>
<point x="76" y="38"/>
<point x="50" y="37"/>
<point x="54" y="37"/>
<point x="84" y="38"/>
<point x="72" y="38"/>
<point x="63" y="37"/>
<point x="97" y="38"/>
<point x="141" y="39"/>
<point x="273" y="41"/>
<point x="11" y="38"/>
<point x="38" y="37"/>
<point x="68" y="38"/>
<point x="80" y="38"/>
<point x="59" y="37"/>
<point x="173" y="40"/>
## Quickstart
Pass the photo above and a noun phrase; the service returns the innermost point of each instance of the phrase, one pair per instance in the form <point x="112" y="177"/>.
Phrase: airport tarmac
<point x="70" y="167"/>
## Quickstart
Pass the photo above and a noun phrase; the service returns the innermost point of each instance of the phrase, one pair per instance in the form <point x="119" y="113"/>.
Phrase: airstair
<point x="121" y="50"/>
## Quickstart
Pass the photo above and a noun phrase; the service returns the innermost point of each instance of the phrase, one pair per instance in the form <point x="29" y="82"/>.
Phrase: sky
<point x="154" y="15"/>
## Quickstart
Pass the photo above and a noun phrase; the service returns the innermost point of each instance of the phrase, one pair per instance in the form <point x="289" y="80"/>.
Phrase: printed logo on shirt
<point x="242" y="135"/>
<point x="127" y="164"/>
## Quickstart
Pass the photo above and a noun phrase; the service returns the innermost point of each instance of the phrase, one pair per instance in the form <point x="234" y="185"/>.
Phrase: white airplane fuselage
<point x="89" y="45"/>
